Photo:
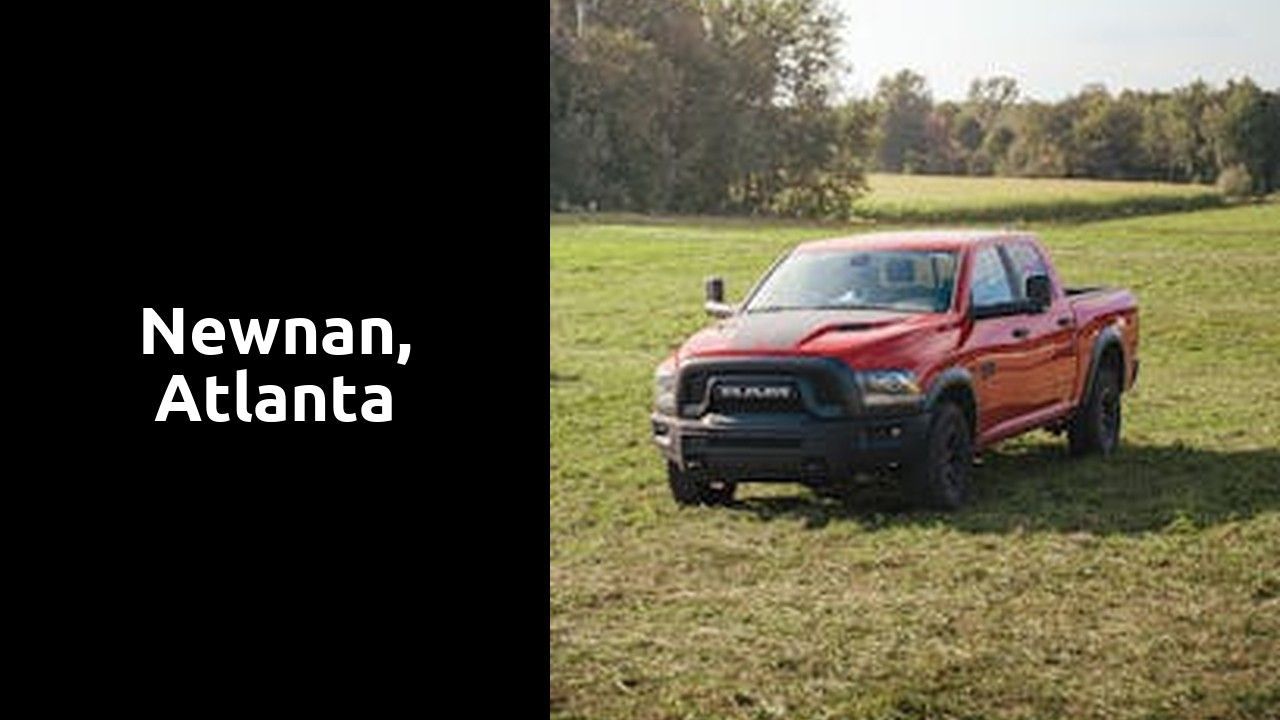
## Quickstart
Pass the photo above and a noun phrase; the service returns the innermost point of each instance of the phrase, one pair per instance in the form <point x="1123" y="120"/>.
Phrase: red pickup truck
<point x="909" y="351"/>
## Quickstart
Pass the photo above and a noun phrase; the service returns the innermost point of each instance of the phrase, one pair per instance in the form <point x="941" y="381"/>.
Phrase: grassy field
<point x="934" y="198"/>
<point x="1144" y="586"/>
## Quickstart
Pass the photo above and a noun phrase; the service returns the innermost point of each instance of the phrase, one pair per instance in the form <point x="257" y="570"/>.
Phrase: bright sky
<point x="1054" y="48"/>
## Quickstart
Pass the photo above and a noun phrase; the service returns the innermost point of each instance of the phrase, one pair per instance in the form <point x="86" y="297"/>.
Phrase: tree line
<point x="728" y="106"/>
<point x="701" y="106"/>
<point x="1195" y="133"/>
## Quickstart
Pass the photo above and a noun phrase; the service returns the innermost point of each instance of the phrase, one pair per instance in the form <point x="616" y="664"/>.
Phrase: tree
<point x="1166" y="139"/>
<point x="1245" y="132"/>
<point x="699" y="105"/>
<point x="1108" y="136"/>
<point x="943" y="154"/>
<point x="904" y="103"/>
<point x="991" y="96"/>
<point x="1271" y="131"/>
<point x="1192" y="147"/>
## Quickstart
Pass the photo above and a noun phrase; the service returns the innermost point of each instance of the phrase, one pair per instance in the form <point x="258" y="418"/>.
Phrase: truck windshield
<point x="901" y="280"/>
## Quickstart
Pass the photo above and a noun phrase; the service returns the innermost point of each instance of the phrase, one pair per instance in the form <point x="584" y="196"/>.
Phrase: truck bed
<point x="1099" y="307"/>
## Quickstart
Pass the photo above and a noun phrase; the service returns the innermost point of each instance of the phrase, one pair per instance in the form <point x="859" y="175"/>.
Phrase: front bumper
<point x="789" y="447"/>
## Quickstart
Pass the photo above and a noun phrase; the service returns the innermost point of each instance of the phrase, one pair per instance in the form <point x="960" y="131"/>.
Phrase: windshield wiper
<point x="775" y="308"/>
<point x="893" y="308"/>
<point x="780" y="308"/>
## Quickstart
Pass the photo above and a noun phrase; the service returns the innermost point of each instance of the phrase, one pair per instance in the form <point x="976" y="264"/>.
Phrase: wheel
<point x="940" y="478"/>
<point x="690" y="488"/>
<point x="1096" y="425"/>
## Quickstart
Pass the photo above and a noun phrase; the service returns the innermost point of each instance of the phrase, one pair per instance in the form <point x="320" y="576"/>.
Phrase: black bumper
<point x="789" y="447"/>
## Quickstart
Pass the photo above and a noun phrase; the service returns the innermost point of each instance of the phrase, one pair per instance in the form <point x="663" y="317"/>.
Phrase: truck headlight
<point x="664" y="389"/>
<point x="889" y="387"/>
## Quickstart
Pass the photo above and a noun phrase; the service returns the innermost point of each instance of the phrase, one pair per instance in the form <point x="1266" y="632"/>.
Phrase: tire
<point x="1096" y="425"/>
<point x="940" y="478"/>
<point x="690" y="488"/>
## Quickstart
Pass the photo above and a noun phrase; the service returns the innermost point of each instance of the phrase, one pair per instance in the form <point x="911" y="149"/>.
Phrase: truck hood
<point x="810" y="332"/>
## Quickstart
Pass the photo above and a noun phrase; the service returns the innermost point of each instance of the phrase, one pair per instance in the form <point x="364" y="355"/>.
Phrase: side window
<point x="1026" y="262"/>
<point x="990" y="284"/>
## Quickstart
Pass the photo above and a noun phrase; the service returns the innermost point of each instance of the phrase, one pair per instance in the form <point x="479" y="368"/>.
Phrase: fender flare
<point x="1109" y="336"/>
<point x="953" y="377"/>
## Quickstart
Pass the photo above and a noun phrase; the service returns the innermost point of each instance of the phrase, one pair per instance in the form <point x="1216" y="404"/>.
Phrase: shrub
<point x="1235" y="181"/>
<point x="827" y="196"/>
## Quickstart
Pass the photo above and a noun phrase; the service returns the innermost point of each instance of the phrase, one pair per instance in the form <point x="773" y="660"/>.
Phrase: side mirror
<point x="1038" y="292"/>
<point x="715" y="305"/>
<point x="715" y="289"/>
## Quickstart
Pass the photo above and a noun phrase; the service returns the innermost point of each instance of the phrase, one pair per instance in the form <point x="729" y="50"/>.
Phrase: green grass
<point x="940" y="198"/>
<point x="1143" y="586"/>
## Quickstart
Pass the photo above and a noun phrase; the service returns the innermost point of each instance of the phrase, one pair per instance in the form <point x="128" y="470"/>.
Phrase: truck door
<point x="993" y="350"/>
<point x="1049" y="373"/>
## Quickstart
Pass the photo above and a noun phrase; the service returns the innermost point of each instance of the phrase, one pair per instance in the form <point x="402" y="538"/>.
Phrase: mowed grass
<point x="1143" y="586"/>
<point x="940" y="198"/>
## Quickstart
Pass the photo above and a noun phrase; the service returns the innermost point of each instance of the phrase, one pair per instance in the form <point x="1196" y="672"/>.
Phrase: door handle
<point x="1021" y="332"/>
<point x="1064" y="321"/>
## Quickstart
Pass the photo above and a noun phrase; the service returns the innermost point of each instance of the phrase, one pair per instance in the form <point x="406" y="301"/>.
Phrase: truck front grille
<point x="726" y="406"/>
<point x="817" y="386"/>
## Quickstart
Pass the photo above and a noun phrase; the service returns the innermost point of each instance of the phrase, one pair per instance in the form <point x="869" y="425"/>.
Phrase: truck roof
<point x="910" y="240"/>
